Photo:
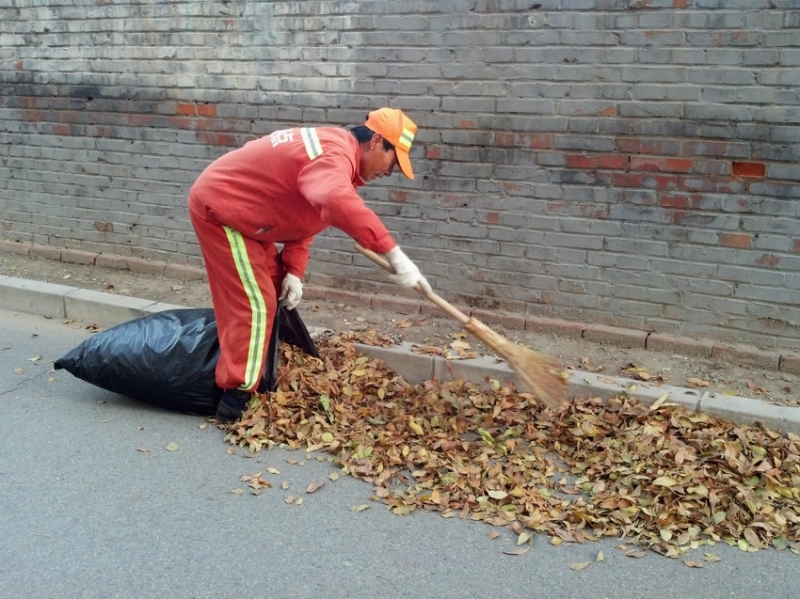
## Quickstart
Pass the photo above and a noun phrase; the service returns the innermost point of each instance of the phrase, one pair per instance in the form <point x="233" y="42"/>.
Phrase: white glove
<point x="291" y="291"/>
<point x="406" y="273"/>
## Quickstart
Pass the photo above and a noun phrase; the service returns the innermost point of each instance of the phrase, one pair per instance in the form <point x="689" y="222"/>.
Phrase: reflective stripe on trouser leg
<point x="258" y="310"/>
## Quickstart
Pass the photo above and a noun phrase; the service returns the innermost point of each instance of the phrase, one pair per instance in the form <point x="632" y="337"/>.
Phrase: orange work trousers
<point x="244" y="276"/>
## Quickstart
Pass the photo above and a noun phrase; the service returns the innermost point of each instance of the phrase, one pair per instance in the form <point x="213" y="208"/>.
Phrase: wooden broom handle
<point x="435" y="298"/>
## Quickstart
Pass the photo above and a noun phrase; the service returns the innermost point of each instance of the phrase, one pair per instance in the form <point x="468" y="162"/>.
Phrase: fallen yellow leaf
<point x="415" y="427"/>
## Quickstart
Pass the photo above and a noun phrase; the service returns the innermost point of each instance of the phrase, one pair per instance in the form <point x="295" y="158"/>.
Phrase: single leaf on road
<point x="315" y="486"/>
<point x="520" y="551"/>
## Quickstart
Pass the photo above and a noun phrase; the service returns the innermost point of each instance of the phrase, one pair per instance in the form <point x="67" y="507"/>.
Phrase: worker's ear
<point x="376" y="140"/>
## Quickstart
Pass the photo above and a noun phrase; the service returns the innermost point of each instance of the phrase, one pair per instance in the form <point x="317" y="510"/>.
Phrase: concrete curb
<point x="106" y="310"/>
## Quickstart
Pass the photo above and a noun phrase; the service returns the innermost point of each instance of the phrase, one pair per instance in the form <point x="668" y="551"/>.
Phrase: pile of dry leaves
<point x="661" y="476"/>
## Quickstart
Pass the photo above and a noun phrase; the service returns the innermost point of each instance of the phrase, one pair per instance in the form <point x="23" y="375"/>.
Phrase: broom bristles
<point x="545" y="376"/>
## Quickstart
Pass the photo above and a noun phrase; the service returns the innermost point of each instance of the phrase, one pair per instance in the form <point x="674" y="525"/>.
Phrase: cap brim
<point x="405" y="163"/>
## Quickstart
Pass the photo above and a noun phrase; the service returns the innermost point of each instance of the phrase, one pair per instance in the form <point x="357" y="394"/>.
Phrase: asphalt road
<point x="93" y="505"/>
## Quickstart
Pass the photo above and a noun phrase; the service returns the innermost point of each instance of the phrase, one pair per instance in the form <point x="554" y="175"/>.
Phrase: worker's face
<point x="376" y="161"/>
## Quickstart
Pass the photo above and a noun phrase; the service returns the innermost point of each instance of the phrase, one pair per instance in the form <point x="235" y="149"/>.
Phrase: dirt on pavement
<point x="723" y="379"/>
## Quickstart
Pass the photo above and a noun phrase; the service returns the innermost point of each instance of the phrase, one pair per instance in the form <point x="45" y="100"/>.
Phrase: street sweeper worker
<point x="285" y="188"/>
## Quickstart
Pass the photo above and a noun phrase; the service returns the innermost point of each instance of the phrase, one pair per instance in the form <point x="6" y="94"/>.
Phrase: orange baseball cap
<point x="398" y="130"/>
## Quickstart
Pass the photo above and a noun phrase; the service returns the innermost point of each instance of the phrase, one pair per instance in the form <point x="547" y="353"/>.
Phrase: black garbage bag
<point x="168" y="358"/>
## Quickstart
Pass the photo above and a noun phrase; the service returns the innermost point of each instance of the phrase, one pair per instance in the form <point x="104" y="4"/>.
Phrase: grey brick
<point x="788" y="263"/>
<point x="760" y="224"/>
<point x="574" y="241"/>
<point x="768" y="294"/>
<point x="464" y="105"/>
<point x="526" y="106"/>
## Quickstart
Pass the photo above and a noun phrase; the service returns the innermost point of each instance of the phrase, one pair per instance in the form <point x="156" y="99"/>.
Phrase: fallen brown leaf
<point x="315" y="486"/>
<point x="757" y="389"/>
<point x="697" y="383"/>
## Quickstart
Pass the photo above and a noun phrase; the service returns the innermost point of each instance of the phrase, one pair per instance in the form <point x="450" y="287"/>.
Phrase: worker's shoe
<point x="232" y="405"/>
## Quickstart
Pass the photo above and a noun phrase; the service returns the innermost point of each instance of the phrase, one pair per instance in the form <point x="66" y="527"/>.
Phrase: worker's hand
<point x="291" y="291"/>
<point x="406" y="273"/>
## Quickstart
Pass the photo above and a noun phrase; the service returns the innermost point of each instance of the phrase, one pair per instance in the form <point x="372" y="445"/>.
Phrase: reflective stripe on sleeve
<point x="311" y="141"/>
<point x="258" y="310"/>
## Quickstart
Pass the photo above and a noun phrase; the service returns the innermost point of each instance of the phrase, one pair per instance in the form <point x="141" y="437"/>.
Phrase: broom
<point x="545" y="376"/>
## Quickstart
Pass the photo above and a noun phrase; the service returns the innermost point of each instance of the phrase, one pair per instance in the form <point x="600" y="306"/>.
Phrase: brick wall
<point x="623" y="162"/>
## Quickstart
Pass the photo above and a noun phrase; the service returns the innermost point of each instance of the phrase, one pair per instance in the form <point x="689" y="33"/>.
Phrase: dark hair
<point x="363" y="134"/>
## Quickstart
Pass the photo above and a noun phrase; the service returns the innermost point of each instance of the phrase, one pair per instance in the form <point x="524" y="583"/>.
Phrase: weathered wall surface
<point x="627" y="162"/>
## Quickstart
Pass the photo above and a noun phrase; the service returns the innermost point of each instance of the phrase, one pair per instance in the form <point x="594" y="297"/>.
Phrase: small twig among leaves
<point x="390" y="580"/>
